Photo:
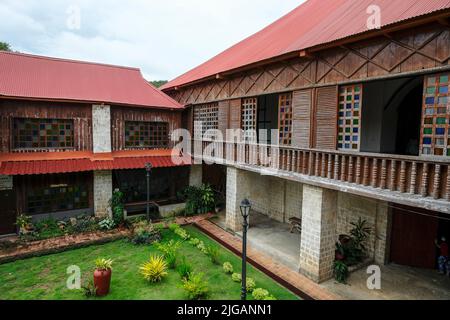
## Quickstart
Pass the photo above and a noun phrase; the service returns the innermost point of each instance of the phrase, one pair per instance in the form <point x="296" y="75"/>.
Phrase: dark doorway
<point x="267" y="116"/>
<point x="7" y="212"/>
<point x="413" y="234"/>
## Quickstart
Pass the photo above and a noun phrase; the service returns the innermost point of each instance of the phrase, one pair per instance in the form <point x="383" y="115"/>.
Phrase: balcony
<point x="420" y="181"/>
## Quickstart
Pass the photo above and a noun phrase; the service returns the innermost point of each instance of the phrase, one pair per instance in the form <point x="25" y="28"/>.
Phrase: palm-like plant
<point x="155" y="269"/>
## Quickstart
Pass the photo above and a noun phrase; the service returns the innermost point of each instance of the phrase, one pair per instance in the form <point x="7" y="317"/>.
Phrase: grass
<point x="44" y="278"/>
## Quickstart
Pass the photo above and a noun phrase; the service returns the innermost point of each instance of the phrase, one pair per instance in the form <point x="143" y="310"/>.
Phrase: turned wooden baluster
<point x="374" y="173"/>
<point x="317" y="165"/>
<point x="413" y="181"/>
<point x="330" y="166"/>
<point x="447" y="189"/>
<point x="336" y="167"/>
<point x="383" y="173"/>
<point x="366" y="172"/>
<point x="343" y="164"/>
<point x="392" y="185"/>
<point x="437" y="182"/>
<point x="350" y="169"/>
<point x="424" y="183"/>
<point x="323" y="167"/>
<point x="358" y="170"/>
<point x="403" y="177"/>
<point x="311" y="163"/>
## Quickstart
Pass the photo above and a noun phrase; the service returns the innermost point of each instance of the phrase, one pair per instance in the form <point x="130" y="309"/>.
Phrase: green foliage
<point x="353" y="247"/>
<point x="159" y="227"/>
<point x="250" y="284"/>
<point x="184" y="269"/>
<point x="213" y="254"/>
<point x="198" y="200"/>
<point x="360" y="233"/>
<point x="202" y="247"/>
<point x="89" y="289"/>
<point x="340" y="271"/>
<point x="228" y="268"/>
<point x="270" y="297"/>
<point x="83" y="224"/>
<point x="170" y="250"/>
<point x="183" y="234"/>
<point x="117" y="207"/>
<point x="194" y="242"/>
<point x="107" y="224"/>
<point x="5" y="46"/>
<point x="155" y="269"/>
<point x="159" y="83"/>
<point x="236" y="277"/>
<point x="260" y="294"/>
<point x="144" y="233"/>
<point x="195" y="286"/>
<point x="174" y="226"/>
<point x="22" y="220"/>
<point x="103" y="264"/>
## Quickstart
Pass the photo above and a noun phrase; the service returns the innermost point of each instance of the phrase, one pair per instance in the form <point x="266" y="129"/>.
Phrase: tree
<point x="159" y="83"/>
<point x="4" y="46"/>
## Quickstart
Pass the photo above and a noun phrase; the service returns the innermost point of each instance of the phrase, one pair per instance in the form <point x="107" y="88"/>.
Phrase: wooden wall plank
<point x="235" y="114"/>
<point x="224" y="110"/>
<point x="325" y="128"/>
<point x="301" y="124"/>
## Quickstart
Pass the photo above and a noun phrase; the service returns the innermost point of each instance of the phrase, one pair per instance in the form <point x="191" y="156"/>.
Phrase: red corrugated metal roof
<point x="13" y="168"/>
<point x="37" y="77"/>
<point x="311" y="24"/>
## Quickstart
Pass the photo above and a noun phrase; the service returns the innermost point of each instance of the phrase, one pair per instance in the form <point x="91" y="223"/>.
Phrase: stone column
<point x="196" y="176"/>
<point x="101" y="136"/>
<point x="319" y="211"/>
<point x="382" y="236"/>
<point x="234" y="196"/>
<point x="102" y="193"/>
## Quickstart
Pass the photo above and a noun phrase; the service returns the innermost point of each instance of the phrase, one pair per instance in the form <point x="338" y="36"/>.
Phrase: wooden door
<point x="7" y="212"/>
<point x="325" y="124"/>
<point x="412" y="237"/>
<point x="301" y="122"/>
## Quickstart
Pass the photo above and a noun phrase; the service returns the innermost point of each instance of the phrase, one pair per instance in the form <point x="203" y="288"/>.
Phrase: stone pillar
<point x="319" y="211"/>
<point x="382" y="236"/>
<point x="103" y="189"/>
<point x="234" y="196"/>
<point x="196" y="176"/>
<point x="101" y="128"/>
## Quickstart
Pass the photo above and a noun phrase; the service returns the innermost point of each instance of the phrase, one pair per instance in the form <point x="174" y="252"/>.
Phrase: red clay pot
<point x="102" y="281"/>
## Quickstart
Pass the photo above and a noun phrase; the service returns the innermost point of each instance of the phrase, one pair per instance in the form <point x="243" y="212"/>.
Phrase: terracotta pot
<point x="102" y="281"/>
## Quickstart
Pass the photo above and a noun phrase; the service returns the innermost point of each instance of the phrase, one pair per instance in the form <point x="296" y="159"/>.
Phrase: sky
<point x="162" y="38"/>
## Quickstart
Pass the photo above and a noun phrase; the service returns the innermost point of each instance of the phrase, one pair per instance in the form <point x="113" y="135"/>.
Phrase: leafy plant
<point x="194" y="242"/>
<point x="103" y="264"/>
<point x="360" y="233"/>
<point x="250" y="284"/>
<point x="213" y="254"/>
<point x="228" y="268"/>
<point x="260" y="294"/>
<point x="89" y="289"/>
<point x="195" y="286"/>
<point x="144" y="233"/>
<point x="340" y="271"/>
<point x="198" y="200"/>
<point x="236" y="277"/>
<point x="155" y="269"/>
<point x="184" y="269"/>
<point x="117" y="207"/>
<point x="174" y="226"/>
<point x="169" y="250"/>
<point x="23" y="221"/>
<point x="182" y="233"/>
<point x="270" y="297"/>
<point x="202" y="247"/>
<point x="107" y="224"/>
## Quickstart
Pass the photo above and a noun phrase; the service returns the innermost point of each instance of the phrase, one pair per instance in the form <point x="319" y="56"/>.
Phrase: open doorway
<point x="391" y="116"/>
<point x="267" y="116"/>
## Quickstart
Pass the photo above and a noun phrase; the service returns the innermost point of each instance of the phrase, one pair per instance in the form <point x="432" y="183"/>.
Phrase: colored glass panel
<point x="350" y="99"/>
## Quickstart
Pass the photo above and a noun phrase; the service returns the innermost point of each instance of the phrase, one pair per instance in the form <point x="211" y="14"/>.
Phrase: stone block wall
<point x="101" y="128"/>
<point x="196" y="176"/>
<point x="103" y="188"/>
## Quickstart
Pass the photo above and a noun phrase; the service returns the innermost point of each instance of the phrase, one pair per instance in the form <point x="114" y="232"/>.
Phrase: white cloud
<point x="164" y="39"/>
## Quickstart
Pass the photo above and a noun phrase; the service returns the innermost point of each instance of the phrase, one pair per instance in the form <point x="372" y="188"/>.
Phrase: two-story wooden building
<point x="363" y="114"/>
<point x="71" y="132"/>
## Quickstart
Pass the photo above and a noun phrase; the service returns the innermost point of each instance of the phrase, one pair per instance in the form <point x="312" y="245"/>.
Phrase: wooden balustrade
<point x="424" y="176"/>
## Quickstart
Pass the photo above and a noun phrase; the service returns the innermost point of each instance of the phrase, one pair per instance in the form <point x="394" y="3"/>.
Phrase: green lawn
<point x="44" y="278"/>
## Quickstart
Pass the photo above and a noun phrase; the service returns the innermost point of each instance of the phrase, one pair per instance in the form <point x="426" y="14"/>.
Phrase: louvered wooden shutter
<point x="301" y="122"/>
<point x="224" y="107"/>
<point x="326" y="118"/>
<point x="235" y="114"/>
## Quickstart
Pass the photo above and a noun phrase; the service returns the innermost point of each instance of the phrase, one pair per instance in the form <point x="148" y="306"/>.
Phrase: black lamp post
<point x="148" y="169"/>
<point x="245" y="211"/>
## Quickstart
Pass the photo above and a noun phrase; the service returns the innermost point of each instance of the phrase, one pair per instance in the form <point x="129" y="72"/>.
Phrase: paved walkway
<point x="293" y="280"/>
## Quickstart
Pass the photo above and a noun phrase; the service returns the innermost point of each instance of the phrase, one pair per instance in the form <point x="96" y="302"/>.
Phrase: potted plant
<point x="102" y="276"/>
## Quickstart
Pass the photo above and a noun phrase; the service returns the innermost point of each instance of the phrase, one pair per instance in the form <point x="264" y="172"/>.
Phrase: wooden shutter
<point x="326" y="118"/>
<point x="235" y="114"/>
<point x="301" y="123"/>
<point x="224" y="110"/>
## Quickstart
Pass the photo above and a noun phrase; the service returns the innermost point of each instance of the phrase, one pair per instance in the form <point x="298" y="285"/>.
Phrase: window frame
<point x="165" y="144"/>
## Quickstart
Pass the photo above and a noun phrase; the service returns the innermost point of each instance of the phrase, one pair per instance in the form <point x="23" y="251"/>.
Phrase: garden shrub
<point x="213" y="254"/>
<point x="182" y="233"/>
<point x="184" y="269"/>
<point x="174" y="226"/>
<point x="195" y="286"/>
<point x="155" y="269"/>
<point x="270" y="297"/>
<point x="107" y="224"/>
<point x="250" y="284"/>
<point x="117" y="207"/>
<point x="228" y="268"/>
<point x="144" y="233"/>
<point x="169" y="250"/>
<point x="89" y="289"/>
<point x="202" y="247"/>
<point x="236" y="277"/>
<point x="260" y="294"/>
<point x="198" y="200"/>
<point x="194" y="242"/>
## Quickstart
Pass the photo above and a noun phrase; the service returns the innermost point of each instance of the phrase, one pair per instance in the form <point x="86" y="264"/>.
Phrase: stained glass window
<point x="57" y="199"/>
<point x="43" y="133"/>
<point x="285" y="118"/>
<point x="146" y="134"/>
<point x="208" y="115"/>
<point x="349" y="117"/>
<point x="435" y="135"/>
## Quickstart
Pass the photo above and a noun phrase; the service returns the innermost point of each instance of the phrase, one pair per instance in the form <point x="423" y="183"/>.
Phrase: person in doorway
<point x="443" y="261"/>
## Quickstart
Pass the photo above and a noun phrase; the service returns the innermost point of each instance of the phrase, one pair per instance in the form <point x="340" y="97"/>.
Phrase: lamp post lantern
<point x="245" y="212"/>
<point x="148" y="169"/>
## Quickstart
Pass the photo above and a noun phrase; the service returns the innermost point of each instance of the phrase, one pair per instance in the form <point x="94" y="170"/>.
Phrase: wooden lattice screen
<point x="285" y="118"/>
<point x="248" y="114"/>
<point x="208" y="115"/>
<point x="349" y="117"/>
<point x="140" y="134"/>
<point x="435" y="131"/>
